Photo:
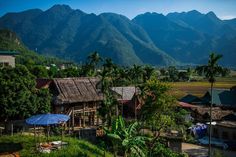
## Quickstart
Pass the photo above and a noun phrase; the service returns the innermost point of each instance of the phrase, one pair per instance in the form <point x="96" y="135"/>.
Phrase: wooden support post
<point x="83" y="114"/>
<point x="80" y="118"/>
<point x="93" y="118"/>
<point x="90" y="119"/>
<point x="35" y="137"/>
<point x="73" y="118"/>
<point x="135" y="113"/>
<point x="96" y="114"/>
<point x="12" y="129"/>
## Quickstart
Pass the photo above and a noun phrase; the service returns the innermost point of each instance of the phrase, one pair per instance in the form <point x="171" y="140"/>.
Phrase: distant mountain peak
<point x="194" y="12"/>
<point x="60" y="7"/>
<point x="149" y="38"/>
<point x="211" y="14"/>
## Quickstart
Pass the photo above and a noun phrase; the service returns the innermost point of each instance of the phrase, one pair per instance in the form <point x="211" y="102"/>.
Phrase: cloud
<point x="227" y="17"/>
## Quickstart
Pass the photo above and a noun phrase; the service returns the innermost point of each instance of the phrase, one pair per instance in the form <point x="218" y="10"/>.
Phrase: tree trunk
<point x="210" y="127"/>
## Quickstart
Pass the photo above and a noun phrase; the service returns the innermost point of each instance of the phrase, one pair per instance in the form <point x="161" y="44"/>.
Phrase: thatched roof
<point x="76" y="90"/>
<point x="217" y="113"/>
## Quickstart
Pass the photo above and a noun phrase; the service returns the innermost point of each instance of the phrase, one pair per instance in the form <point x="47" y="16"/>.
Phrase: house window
<point x="215" y="132"/>
<point x="225" y="135"/>
<point x="6" y="64"/>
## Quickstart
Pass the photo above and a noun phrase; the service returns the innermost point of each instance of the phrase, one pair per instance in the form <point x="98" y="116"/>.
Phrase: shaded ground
<point x="201" y="151"/>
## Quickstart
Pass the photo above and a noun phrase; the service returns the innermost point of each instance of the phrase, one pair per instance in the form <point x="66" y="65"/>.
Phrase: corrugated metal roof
<point x="126" y="93"/>
<point x="8" y="52"/>
<point x="190" y="99"/>
<point x="221" y="97"/>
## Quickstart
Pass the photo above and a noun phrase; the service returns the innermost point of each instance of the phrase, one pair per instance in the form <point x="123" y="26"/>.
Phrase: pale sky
<point x="224" y="9"/>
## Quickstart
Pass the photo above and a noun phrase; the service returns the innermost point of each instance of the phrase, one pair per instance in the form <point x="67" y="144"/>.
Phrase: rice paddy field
<point x="199" y="88"/>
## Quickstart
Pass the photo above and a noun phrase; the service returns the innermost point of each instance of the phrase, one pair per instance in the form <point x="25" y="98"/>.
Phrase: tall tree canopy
<point x="18" y="96"/>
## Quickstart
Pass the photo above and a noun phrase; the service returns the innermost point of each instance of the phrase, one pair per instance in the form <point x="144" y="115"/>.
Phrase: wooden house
<point x="78" y="97"/>
<point x="128" y="99"/>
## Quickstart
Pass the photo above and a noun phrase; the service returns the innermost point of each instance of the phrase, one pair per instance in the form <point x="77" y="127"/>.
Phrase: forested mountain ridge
<point x="9" y="41"/>
<point x="149" y="38"/>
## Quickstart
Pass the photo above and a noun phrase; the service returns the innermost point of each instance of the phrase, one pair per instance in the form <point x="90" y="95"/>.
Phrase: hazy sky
<point x="225" y="9"/>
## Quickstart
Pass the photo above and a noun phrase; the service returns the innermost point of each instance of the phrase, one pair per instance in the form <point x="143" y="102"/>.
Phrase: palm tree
<point x="211" y="70"/>
<point x="147" y="73"/>
<point x="190" y="74"/>
<point x="127" y="138"/>
<point x="94" y="58"/>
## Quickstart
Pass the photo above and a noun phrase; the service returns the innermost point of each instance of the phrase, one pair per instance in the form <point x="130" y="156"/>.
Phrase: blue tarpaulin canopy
<point x="47" y="119"/>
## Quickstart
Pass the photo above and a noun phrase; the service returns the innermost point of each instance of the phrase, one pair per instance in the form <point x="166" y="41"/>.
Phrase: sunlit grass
<point x="75" y="147"/>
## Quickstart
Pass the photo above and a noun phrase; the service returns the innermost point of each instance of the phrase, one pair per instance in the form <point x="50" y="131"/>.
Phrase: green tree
<point x="89" y="69"/>
<point x="190" y="73"/>
<point x="136" y="74"/>
<point x="211" y="70"/>
<point x="161" y="150"/>
<point x="172" y="73"/>
<point x="148" y="71"/>
<point x="225" y="72"/>
<point x="18" y="96"/>
<point x="127" y="138"/>
<point x="68" y="72"/>
<point x="109" y="106"/>
<point x="158" y="108"/>
<point x="39" y="71"/>
<point x="94" y="59"/>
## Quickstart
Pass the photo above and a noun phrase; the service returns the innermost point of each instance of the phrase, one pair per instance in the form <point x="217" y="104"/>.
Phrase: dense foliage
<point x="18" y="96"/>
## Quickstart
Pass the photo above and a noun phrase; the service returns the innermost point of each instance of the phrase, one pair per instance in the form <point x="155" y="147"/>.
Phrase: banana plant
<point x="127" y="138"/>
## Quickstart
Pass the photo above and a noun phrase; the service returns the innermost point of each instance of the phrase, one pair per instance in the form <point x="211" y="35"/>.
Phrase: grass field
<point x="75" y="147"/>
<point x="180" y="89"/>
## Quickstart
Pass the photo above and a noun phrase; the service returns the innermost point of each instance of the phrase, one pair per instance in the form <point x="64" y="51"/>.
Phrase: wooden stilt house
<point x="78" y="97"/>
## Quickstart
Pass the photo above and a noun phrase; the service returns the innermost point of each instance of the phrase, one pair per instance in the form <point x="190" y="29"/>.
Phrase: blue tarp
<point x="47" y="119"/>
<point x="199" y="130"/>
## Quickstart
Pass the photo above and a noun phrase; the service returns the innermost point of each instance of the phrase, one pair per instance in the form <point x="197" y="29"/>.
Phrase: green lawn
<point x="75" y="147"/>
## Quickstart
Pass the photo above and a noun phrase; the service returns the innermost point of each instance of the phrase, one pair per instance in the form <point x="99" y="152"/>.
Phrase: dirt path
<point x="201" y="151"/>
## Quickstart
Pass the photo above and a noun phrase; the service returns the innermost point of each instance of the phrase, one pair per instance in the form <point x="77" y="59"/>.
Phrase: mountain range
<point x="149" y="38"/>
